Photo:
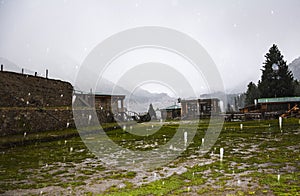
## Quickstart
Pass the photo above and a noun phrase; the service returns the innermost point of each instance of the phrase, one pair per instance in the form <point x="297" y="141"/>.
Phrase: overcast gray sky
<point x="59" y="34"/>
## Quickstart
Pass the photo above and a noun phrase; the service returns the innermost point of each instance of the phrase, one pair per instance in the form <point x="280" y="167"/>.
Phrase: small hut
<point x="171" y="112"/>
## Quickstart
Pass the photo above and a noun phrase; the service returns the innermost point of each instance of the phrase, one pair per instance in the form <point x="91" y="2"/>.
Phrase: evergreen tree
<point x="239" y="101"/>
<point x="236" y="107"/>
<point x="229" y="108"/>
<point x="152" y="112"/>
<point x="297" y="88"/>
<point x="276" y="80"/>
<point x="251" y="94"/>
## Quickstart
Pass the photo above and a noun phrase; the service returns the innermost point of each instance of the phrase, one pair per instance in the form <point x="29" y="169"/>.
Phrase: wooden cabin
<point x="196" y="108"/>
<point x="171" y="112"/>
<point x="271" y="107"/>
<point x="104" y="102"/>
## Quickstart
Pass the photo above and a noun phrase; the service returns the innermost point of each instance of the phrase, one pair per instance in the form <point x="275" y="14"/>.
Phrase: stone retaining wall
<point x="30" y="104"/>
<point x="20" y="121"/>
<point x="35" y="104"/>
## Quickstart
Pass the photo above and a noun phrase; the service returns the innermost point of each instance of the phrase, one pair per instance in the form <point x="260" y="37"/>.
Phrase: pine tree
<point x="251" y="94"/>
<point x="229" y="108"/>
<point x="297" y="88"/>
<point x="276" y="80"/>
<point x="152" y="112"/>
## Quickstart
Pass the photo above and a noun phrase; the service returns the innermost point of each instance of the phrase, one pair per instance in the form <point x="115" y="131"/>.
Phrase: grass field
<point x="260" y="159"/>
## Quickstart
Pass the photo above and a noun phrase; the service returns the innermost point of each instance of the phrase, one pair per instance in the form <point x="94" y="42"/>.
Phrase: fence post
<point x="1" y="67"/>
<point x="47" y="73"/>
<point x="35" y="74"/>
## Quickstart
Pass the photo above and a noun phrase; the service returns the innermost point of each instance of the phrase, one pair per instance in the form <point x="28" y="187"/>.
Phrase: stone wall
<point x="17" y="90"/>
<point x="35" y="104"/>
<point x="19" y="121"/>
<point x="31" y="104"/>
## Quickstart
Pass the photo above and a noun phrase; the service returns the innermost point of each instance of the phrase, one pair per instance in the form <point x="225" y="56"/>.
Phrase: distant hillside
<point x="295" y="68"/>
<point x="140" y="99"/>
<point x="138" y="102"/>
<point x="10" y="66"/>
<point x="232" y="101"/>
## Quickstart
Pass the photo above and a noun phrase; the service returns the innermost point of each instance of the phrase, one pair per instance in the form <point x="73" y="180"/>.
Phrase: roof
<point x="279" y="100"/>
<point x="172" y="107"/>
<point x="107" y="95"/>
<point x="97" y="94"/>
<point x="189" y="100"/>
<point x="199" y="100"/>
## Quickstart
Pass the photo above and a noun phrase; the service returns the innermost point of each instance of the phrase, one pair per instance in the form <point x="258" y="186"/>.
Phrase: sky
<point x="60" y="34"/>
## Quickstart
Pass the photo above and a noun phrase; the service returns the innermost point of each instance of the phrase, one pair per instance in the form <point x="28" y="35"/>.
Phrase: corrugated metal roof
<point x="278" y="100"/>
<point x="173" y="107"/>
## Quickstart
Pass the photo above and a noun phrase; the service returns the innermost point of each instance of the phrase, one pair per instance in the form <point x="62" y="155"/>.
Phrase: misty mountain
<point x="57" y="69"/>
<point x="240" y="87"/>
<point x="230" y="101"/>
<point x="137" y="101"/>
<point x="10" y="66"/>
<point x="295" y="68"/>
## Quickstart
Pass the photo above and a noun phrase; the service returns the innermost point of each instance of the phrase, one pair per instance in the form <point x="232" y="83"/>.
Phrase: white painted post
<point x="280" y="122"/>
<point x="185" y="138"/>
<point x="221" y="154"/>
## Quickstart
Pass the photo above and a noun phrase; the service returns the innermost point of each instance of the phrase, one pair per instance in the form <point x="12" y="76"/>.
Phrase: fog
<point x="58" y="35"/>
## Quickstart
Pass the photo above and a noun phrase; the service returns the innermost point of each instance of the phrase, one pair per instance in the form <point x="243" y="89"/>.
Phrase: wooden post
<point x="1" y="67"/>
<point x="22" y="71"/>
<point x="47" y="73"/>
<point x="35" y="74"/>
